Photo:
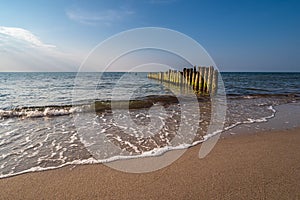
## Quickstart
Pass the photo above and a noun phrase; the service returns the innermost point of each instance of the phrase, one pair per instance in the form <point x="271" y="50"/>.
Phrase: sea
<point x="53" y="119"/>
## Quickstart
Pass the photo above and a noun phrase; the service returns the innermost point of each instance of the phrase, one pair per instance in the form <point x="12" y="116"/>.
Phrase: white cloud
<point x="106" y="17"/>
<point x="21" y="50"/>
<point x="23" y="35"/>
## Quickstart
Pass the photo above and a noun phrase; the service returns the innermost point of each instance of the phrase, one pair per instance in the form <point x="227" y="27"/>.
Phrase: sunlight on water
<point x="37" y="129"/>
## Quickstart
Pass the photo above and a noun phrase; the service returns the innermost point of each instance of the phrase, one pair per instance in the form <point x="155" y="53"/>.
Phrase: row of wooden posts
<point x="203" y="80"/>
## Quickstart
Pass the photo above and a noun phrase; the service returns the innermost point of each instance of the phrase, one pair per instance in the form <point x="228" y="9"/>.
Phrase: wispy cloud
<point x="21" y="50"/>
<point x="106" y="17"/>
<point x="23" y="35"/>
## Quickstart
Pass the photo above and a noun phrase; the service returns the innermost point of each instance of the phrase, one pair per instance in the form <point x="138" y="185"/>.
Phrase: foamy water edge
<point x="153" y="153"/>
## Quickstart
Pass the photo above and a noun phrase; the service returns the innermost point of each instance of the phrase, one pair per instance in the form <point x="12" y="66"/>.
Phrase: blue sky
<point x="239" y="35"/>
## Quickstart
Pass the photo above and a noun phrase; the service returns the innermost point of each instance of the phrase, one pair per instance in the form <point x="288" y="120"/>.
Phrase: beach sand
<point x="263" y="165"/>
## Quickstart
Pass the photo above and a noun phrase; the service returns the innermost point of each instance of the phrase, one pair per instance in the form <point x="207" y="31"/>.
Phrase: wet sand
<point x="263" y="165"/>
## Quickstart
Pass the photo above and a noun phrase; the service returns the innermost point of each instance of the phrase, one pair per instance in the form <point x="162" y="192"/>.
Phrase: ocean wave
<point x="138" y="103"/>
<point x="97" y="106"/>
<point x="37" y="112"/>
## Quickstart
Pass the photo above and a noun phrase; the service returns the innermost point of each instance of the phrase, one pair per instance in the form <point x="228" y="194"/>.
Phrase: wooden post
<point x="173" y="76"/>
<point x="215" y="82"/>
<point x="209" y="79"/>
<point x="183" y="76"/>
<point x="200" y="79"/>
<point x="193" y="76"/>
<point x="187" y="80"/>
<point x="187" y="76"/>
<point x="196" y="86"/>
<point x="166" y="77"/>
<point x="205" y="79"/>
<point x="177" y="77"/>
<point x="190" y="76"/>
<point x="179" y="80"/>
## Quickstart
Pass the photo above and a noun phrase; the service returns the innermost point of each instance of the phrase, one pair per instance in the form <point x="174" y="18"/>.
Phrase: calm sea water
<point x="39" y="126"/>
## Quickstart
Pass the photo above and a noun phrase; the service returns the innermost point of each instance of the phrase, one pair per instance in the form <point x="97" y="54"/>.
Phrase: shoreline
<point x="264" y="164"/>
<point x="285" y="117"/>
<point x="264" y="150"/>
<point x="240" y="128"/>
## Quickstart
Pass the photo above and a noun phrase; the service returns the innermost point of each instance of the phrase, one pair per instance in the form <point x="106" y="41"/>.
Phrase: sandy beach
<point x="264" y="165"/>
<point x="149" y="100"/>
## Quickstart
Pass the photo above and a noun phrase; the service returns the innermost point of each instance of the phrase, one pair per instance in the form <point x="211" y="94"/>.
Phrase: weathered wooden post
<point x="205" y="79"/>
<point x="186" y="80"/>
<point x="215" y="82"/>
<point x="200" y="79"/>
<point x="196" y="86"/>
<point x="193" y="76"/>
<point x="209" y="79"/>
<point x="174" y="76"/>
<point x="165" y="76"/>
<point x="183" y="75"/>
<point x="177" y="77"/>
<point x="187" y="76"/>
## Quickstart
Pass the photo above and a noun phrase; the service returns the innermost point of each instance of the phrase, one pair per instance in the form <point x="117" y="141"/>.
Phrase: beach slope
<point x="263" y="165"/>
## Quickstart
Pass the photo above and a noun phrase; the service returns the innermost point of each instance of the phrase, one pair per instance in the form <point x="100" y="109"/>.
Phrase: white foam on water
<point x="32" y="113"/>
<point x="154" y="152"/>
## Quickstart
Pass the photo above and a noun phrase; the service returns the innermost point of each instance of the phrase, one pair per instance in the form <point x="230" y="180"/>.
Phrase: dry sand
<point x="255" y="166"/>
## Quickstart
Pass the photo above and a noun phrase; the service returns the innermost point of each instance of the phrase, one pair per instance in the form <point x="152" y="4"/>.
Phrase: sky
<point x="57" y="35"/>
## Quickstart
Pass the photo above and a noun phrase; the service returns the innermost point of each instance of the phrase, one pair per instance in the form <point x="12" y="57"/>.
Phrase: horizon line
<point x="140" y="71"/>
